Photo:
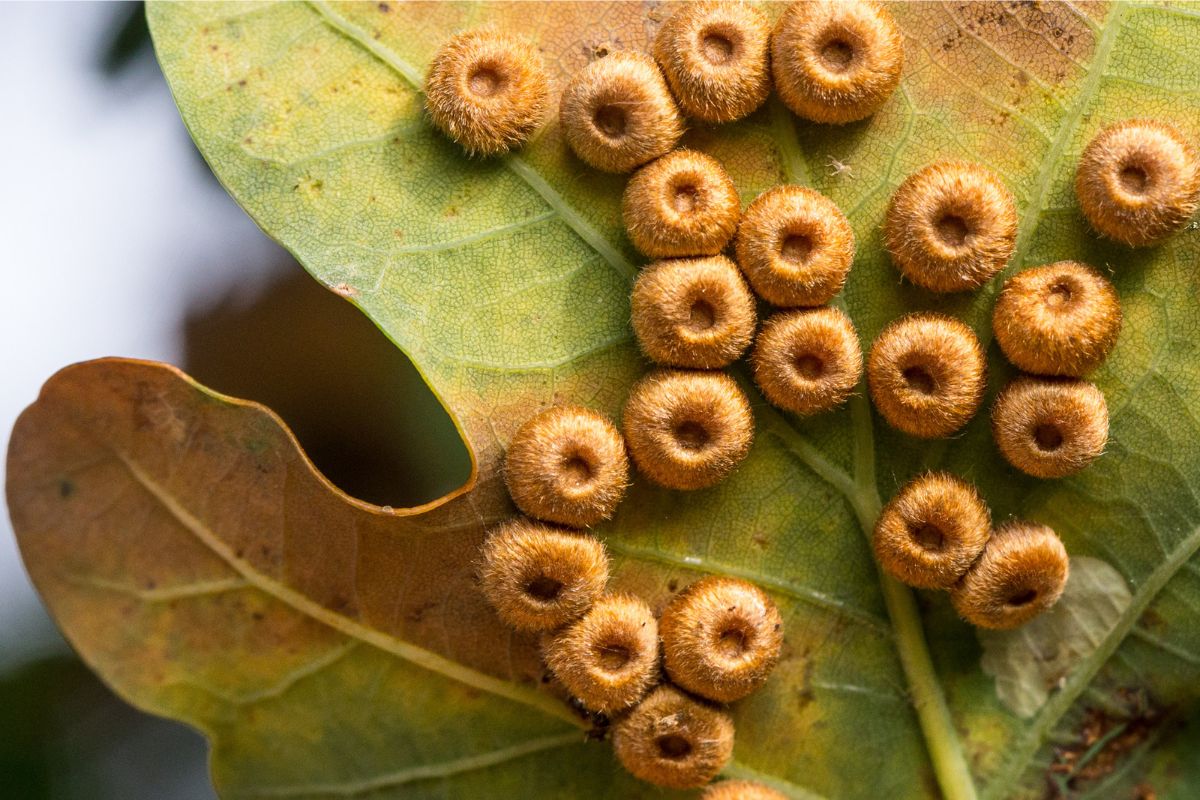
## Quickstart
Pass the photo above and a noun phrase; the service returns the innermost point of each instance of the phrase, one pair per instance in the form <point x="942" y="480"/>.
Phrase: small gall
<point x="807" y="360"/>
<point x="836" y="61"/>
<point x="538" y="577"/>
<point x="487" y="90"/>
<point x="795" y="246"/>
<point x="951" y="226"/>
<point x="694" y="312"/>
<point x="672" y="740"/>
<point x="930" y="533"/>
<point x="714" y="55"/>
<point x="687" y="430"/>
<point x="721" y="638"/>
<point x="1138" y="181"/>
<point x="683" y="204"/>
<point x="1021" y="573"/>
<point x="1050" y="428"/>
<point x="1057" y="319"/>
<point x="927" y="373"/>
<point x="617" y="113"/>
<point x="741" y="790"/>
<point x="608" y="658"/>
<point x="567" y="465"/>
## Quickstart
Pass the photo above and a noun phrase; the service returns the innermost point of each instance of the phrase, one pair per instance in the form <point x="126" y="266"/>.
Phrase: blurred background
<point x="119" y="241"/>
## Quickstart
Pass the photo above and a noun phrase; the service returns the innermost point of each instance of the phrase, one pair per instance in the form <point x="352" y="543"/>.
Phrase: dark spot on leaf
<point x="1104" y="740"/>
<point x="384" y="8"/>
<point x="673" y="585"/>
<point x="65" y="488"/>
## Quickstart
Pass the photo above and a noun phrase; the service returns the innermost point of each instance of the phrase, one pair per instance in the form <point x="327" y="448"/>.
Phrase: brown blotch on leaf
<point x="836" y="61"/>
<point x="567" y="465"/>
<point x="539" y="577"/>
<point x="672" y="740"/>
<point x="694" y="312"/>
<point x="487" y="90"/>
<point x="795" y="246"/>
<point x="808" y="360"/>
<point x="1138" y="181"/>
<point x="608" y="658"/>
<point x="741" y="790"/>
<point x="927" y="373"/>
<point x="1050" y="428"/>
<point x="721" y="638"/>
<point x="687" y="430"/>
<point x="930" y="533"/>
<point x="617" y="113"/>
<point x="683" y="204"/>
<point x="1057" y="319"/>
<point x="714" y="55"/>
<point x="951" y="226"/>
<point x="1021" y="573"/>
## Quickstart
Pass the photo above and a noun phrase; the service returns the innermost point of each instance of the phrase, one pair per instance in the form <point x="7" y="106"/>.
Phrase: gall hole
<point x="485" y="82"/>
<point x="837" y="55"/>
<point x="544" y="589"/>
<point x="577" y="471"/>
<point x="929" y="537"/>
<point x="1060" y="295"/>
<point x="1134" y="179"/>
<point x="611" y="121"/>
<point x="732" y="643"/>
<point x="952" y="230"/>
<point x="1048" y="437"/>
<point x="685" y="199"/>
<point x="919" y="380"/>
<point x="613" y="657"/>
<point x="1023" y="598"/>
<point x="716" y="47"/>
<point x="701" y="316"/>
<point x="796" y="248"/>
<point x="692" y="435"/>
<point x="673" y="746"/>
<point x="809" y="366"/>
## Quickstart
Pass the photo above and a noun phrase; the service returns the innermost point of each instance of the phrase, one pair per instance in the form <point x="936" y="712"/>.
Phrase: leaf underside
<point x="330" y="648"/>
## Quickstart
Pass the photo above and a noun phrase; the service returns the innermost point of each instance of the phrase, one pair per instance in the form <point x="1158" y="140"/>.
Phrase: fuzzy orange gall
<point x="721" y="638"/>
<point x="672" y="740"/>
<point x="795" y="246"/>
<point x="714" y="55"/>
<point x="927" y="373"/>
<point x="567" y="465"/>
<point x="617" y="113"/>
<point x="1138" y="181"/>
<point x="1057" y="319"/>
<point x="1050" y="428"/>
<point x="687" y="430"/>
<point x="1021" y="573"/>
<point x="538" y="577"/>
<point x="808" y="360"/>
<point x="951" y="226"/>
<point x="836" y="60"/>
<point x="683" y="204"/>
<point x="608" y="658"/>
<point x="932" y="531"/>
<point x="487" y="90"/>
<point x="741" y="790"/>
<point x="694" y="312"/>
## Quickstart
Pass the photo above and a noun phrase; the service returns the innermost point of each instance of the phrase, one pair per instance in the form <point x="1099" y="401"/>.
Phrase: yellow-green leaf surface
<point x="331" y="649"/>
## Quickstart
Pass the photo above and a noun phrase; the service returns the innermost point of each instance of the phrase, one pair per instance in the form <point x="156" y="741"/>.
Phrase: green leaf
<point x="507" y="283"/>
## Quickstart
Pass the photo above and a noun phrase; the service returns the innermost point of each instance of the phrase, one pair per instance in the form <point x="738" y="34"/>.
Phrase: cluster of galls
<point x="950" y="227"/>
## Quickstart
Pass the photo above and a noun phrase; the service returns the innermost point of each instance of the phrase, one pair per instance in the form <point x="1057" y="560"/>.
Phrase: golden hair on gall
<point x="932" y="531"/>
<point x="672" y="740"/>
<point x="538" y="577"/>
<point x="683" y="204"/>
<point x="836" y="60"/>
<point x="617" y="113"/>
<point x="951" y="226"/>
<point x="741" y="790"/>
<point x="1057" y="319"/>
<point x="927" y="373"/>
<point x="1021" y="573"/>
<point x="487" y="90"/>
<point x="567" y="465"/>
<point x="795" y="246"/>
<point x="693" y="312"/>
<point x="807" y="360"/>
<point x="714" y="55"/>
<point x="609" y="657"/>
<point x="721" y="638"/>
<point x="1050" y="428"/>
<point x="1138" y="181"/>
<point x="687" y="430"/>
